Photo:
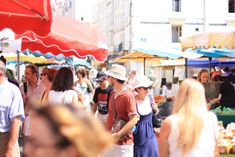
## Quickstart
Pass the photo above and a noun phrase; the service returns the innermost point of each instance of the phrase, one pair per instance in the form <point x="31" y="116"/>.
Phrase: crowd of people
<point x="109" y="118"/>
<point x="226" y="81"/>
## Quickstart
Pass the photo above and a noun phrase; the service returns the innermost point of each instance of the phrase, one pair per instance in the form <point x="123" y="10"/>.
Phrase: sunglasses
<point x="100" y="82"/>
<point x="43" y="74"/>
<point x="145" y="88"/>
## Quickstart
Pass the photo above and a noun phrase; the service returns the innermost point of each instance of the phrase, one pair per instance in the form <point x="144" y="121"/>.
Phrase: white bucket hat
<point x="117" y="71"/>
<point x="142" y="81"/>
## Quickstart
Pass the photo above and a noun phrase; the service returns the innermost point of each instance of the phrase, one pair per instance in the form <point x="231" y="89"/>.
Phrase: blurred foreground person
<point x="192" y="130"/>
<point x="11" y="116"/>
<point x="57" y="131"/>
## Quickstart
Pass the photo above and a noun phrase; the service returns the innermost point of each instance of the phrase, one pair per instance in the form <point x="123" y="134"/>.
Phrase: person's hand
<point x="155" y="107"/>
<point x="213" y="101"/>
<point x="25" y="99"/>
<point x="116" y="136"/>
<point x="81" y="97"/>
<point x="9" y="153"/>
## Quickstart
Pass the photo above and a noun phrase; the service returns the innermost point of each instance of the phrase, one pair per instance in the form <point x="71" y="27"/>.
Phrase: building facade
<point x="132" y="24"/>
<point x="80" y="10"/>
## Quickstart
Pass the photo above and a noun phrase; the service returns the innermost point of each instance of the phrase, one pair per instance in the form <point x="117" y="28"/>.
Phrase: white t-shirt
<point x="65" y="97"/>
<point x="144" y="107"/>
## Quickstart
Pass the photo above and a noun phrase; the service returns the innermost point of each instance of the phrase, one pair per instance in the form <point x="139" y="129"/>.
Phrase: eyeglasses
<point x="43" y="74"/>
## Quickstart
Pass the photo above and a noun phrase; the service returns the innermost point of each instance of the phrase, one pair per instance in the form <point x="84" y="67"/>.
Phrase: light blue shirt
<point x="11" y="105"/>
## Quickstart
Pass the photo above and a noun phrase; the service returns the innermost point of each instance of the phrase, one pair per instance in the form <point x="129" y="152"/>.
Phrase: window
<point x="176" y="5"/>
<point x="176" y="33"/>
<point x="231" y="6"/>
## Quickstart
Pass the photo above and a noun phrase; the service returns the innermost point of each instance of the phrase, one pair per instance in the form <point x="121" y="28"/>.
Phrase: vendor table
<point x="226" y="119"/>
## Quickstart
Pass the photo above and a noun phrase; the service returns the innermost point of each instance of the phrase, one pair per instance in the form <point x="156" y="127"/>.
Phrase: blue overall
<point x="145" y="141"/>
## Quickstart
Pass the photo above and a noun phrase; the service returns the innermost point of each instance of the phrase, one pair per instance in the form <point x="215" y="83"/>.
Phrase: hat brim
<point x="100" y="78"/>
<point x="144" y="84"/>
<point x="115" y="76"/>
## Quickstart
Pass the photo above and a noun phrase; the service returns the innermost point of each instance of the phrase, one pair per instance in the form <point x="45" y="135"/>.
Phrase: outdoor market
<point x="63" y="93"/>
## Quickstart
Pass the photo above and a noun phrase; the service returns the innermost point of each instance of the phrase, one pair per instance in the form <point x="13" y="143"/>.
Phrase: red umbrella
<point x="23" y="15"/>
<point x="68" y="37"/>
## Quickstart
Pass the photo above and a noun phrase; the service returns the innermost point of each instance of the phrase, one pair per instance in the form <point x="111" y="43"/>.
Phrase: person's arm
<point x="163" y="138"/>
<point x="75" y="101"/>
<point x="14" y="134"/>
<point x="94" y="107"/>
<point x="216" y="100"/>
<point x="216" y="134"/>
<point x="217" y="153"/>
<point x="89" y="84"/>
<point x="94" y="103"/>
<point x="127" y="127"/>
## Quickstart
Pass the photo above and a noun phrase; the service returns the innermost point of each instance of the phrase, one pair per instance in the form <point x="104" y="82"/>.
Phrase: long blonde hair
<point x="190" y="106"/>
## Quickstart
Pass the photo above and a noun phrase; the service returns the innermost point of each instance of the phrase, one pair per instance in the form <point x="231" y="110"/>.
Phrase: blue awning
<point x="214" y="62"/>
<point x="48" y="55"/>
<point x="216" y="53"/>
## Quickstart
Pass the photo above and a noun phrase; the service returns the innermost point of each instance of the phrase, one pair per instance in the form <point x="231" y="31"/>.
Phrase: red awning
<point x="68" y="37"/>
<point x="24" y="15"/>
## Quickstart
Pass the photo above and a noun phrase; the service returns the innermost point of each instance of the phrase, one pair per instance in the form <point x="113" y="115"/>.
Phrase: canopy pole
<point x="18" y="65"/>
<point x="210" y="59"/>
<point x="186" y="67"/>
<point x="144" y="65"/>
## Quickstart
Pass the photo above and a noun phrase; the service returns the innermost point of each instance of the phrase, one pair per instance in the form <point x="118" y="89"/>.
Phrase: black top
<point x="228" y="95"/>
<point x="101" y="97"/>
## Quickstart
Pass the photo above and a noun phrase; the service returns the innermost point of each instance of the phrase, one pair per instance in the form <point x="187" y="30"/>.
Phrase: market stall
<point x="217" y="45"/>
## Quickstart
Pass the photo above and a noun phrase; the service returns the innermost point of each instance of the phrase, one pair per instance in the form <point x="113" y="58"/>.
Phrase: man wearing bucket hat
<point x="101" y="97"/>
<point x="145" y="142"/>
<point x="122" y="107"/>
<point x="11" y="115"/>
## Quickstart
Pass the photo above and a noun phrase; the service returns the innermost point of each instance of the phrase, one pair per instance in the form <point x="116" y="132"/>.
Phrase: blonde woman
<point x="191" y="131"/>
<point x="59" y="132"/>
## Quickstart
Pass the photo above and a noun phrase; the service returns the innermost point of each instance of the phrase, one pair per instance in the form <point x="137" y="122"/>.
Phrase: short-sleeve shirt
<point x="101" y="98"/>
<point x="11" y="105"/>
<point x="125" y="106"/>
